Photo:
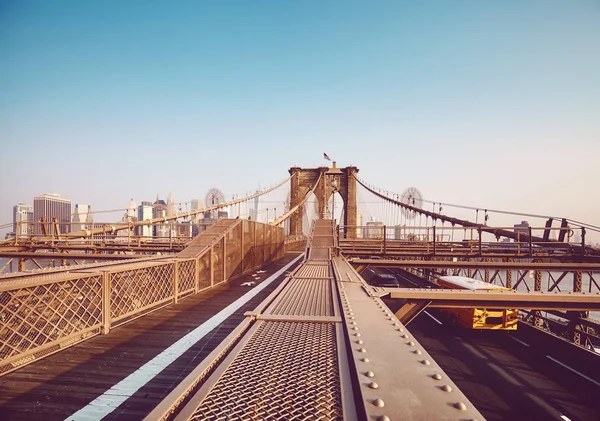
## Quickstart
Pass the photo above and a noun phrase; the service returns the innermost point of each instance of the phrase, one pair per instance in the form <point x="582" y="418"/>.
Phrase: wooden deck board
<point x="59" y="385"/>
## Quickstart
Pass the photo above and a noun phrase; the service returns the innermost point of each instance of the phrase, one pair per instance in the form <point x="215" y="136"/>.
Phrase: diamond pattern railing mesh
<point x="218" y="261"/>
<point x="42" y="314"/>
<point x="286" y="371"/>
<point x="204" y="271"/>
<point x="37" y="317"/>
<point x="135" y="290"/>
<point x="186" y="276"/>
<point x="234" y="251"/>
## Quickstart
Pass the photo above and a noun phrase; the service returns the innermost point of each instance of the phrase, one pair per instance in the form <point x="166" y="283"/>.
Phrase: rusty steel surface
<point x="397" y="378"/>
<point x="536" y="300"/>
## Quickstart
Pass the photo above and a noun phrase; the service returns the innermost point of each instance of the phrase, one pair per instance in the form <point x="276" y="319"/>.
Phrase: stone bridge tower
<point x="333" y="179"/>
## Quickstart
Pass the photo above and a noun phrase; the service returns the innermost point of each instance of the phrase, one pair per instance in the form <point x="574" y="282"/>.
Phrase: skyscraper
<point x="521" y="229"/>
<point x="52" y="206"/>
<point x="22" y="220"/>
<point x="82" y="217"/>
<point x="159" y="210"/>
<point x="171" y="205"/>
<point x="145" y="213"/>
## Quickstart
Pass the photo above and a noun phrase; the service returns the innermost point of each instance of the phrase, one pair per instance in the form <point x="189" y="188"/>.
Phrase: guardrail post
<point x="434" y="240"/>
<point x="197" y="275"/>
<point x="384" y="239"/>
<point x="105" y="328"/>
<point x="582" y="241"/>
<point x="242" y="247"/>
<point x="224" y="258"/>
<point x="530" y="243"/>
<point x="211" y="262"/>
<point x="175" y="281"/>
<point x="480" y="249"/>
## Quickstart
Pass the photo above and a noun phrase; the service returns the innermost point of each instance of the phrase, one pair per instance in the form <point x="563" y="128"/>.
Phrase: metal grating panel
<point x="314" y="271"/>
<point x="319" y="253"/>
<point x="285" y="371"/>
<point x="305" y="297"/>
<point x="39" y="315"/>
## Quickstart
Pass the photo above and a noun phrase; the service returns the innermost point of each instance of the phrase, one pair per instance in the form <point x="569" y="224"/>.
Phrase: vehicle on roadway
<point x="478" y="318"/>
<point x="386" y="280"/>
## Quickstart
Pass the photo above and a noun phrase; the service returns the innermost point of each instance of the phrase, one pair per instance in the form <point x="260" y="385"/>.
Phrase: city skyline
<point x="489" y="105"/>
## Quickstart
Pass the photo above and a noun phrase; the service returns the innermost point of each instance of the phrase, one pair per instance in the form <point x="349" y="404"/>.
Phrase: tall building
<point x="50" y="206"/>
<point x="171" y="210"/>
<point x="522" y="229"/>
<point x="145" y="213"/>
<point x="22" y="220"/>
<point x="374" y="230"/>
<point x="131" y="211"/>
<point x="159" y="210"/>
<point x="196" y="205"/>
<point x="256" y="207"/>
<point x="82" y="217"/>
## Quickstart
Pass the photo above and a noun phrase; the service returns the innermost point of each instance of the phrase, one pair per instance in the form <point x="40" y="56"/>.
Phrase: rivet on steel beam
<point x="355" y="328"/>
<point x="351" y="317"/>
<point x="357" y="334"/>
<point x="362" y="350"/>
<point x="373" y="385"/>
<point x="446" y="388"/>
<point x="370" y="374"/>
<point x="389" y="318"/>
<point x="437" y="376"/>
<point x="425" y="362"/>
<point x="383" y="418"/>
<point x="352" y="322"/>
<point x="379" y="403"/>
<point x="400" y="329"/>
<point x="395" y="324"/>
<point x="460" y="405"/>
<point x="360" y="342"/>
<point x="410" y="343"/>
<point x="404" y="336"/>
<point x="416" y="351"/>
<point x="365" y="360"/>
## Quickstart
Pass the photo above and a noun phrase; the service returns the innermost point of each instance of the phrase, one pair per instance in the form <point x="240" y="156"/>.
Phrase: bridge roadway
<point x="516" y="375"/>
<point x="81" y="380"/>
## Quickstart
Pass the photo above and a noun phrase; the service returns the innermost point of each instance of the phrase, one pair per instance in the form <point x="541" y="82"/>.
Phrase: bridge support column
<point x="350" y="211"/>
<point x="509" y="275"/>
<point x="538" y="278"/>
<point x="577" y="281"/>
<point x="296" y="218"/>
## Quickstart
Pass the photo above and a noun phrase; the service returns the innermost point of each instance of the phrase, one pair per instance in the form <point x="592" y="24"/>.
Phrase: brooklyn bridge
<point x="286" y="319"/>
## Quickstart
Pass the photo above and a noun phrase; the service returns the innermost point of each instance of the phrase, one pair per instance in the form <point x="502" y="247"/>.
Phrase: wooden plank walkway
<point x="58" y="386"/>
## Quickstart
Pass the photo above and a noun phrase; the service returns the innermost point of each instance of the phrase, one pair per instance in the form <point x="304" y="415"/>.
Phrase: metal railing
<point x="436" y="240"/>
<point x="41" y="315"/>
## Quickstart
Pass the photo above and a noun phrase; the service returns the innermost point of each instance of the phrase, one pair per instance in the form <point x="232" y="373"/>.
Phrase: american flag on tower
<point x="326" y="157"/>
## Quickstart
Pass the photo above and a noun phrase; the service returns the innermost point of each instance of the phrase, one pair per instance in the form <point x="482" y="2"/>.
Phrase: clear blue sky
<point x="485" y="103"/>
